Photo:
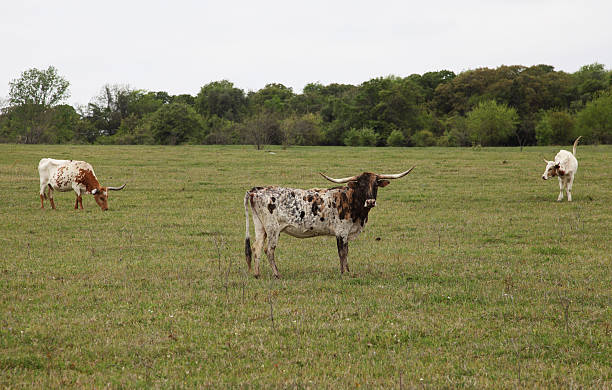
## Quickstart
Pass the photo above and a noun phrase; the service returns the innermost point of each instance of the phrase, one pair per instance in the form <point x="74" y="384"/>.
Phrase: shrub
<point x="367" y="137"/>
<point x="492" y="124"/>
<point x="363" y="137"/>
<point x="595" y="121"/>
<point x="396" y="138"/>
<point x="423" y="138"/>
<point x="555" y="127"/>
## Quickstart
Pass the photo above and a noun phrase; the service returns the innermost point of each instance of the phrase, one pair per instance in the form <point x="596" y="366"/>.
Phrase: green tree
<point x="456" y="132"/>
<point x="423" y="138"/>
<point x="273" y="98"/>
<point x="367" y="137"/>
<point x="63" y="124"/>
<point x="175" y="124"/>
<point x="492" y="124"/>
<point x="44" y="88"/>
<point x="595" y="120"/>
<point x="262" y="129"/>
<point x="301" y="130"/>
<point x="222" y="99"/>
<point x="589" y="80"/>
<point x="32" y="98"/>
<point x="431" y="80"/>
<point x="396" y="138"/>
<point x="555" y="128"/>
<point x="221" y="131"/>
<point x="134" y="130"/>
<point x="141" y="103"/>
<point x="352" y="138"/>
<point x="385" y="104"/>
<point x="362" y="137"/>
<point x="107" y="110"/>
<point x="183" y="98"/>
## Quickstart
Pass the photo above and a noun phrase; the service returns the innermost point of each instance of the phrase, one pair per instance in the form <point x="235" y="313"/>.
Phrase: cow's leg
<point x="260" y="238"/>
<point x="81" y="201"/>
<point x="342" y="243"/>
<point x="560" y="198"/>
<point x="568" y="188"/>
<point x="42" y="194"/>
<point x="76" y="202"/>
<point x="272" y="241"/>
<point x="51" y="198"/>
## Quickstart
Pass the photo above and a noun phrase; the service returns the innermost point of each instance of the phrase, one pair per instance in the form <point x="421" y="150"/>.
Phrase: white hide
<point x="564" y="166"/>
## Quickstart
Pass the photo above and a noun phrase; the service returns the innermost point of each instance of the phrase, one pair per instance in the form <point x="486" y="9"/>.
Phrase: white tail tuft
<point x="575" y="144"/>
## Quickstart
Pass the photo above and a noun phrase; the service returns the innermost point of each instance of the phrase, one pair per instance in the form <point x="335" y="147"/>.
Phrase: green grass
<point x="479" y="279"/>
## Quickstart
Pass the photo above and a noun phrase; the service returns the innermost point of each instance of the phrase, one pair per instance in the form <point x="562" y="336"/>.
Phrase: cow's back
<point x="48" y="164"/>
<point x="47" y="167"/>
<point x="567" y="161"/>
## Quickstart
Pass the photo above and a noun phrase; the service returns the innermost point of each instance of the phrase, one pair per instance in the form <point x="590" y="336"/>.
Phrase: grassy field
<point x="469" y="273"/>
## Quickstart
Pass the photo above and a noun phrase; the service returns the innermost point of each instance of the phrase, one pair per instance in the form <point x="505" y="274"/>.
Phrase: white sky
<point x="178" y="46"/>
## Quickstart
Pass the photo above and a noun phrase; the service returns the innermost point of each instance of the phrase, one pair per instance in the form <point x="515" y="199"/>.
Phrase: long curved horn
<point x="544" y="158"/>
<point x="343" y="180"/>
<point x="116" y="188"/>
<point x="397" y="176"/>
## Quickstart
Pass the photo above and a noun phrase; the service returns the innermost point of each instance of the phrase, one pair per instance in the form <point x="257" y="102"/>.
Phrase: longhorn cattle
<point x="564" y="166"/>
<point x="340" y="211"/>
<point x="66" y="175"/>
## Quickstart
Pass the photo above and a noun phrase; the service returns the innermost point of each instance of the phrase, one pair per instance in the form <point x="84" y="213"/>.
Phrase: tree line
<point x="506" y="106"/>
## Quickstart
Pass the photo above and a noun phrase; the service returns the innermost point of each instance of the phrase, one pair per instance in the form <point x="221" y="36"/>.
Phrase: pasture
<point x="468" y="274"/>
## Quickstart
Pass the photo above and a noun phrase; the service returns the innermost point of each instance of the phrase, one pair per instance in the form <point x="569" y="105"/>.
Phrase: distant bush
<point x="423" y="138"/>
<point x="595" y="121"/>
<point x="492" y="124"/>
<point x="555" y="128"/>
<point x="367" y="137"/>
<point x="363" y="137"/>
<point x="176" y="123"/>
<point x="396" y="138"/>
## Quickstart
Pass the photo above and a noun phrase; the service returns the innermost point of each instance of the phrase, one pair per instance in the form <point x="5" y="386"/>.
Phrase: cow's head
<point x="101" y="195"/>
<point x="552" y="169"/>
<point x="367" y="184"/>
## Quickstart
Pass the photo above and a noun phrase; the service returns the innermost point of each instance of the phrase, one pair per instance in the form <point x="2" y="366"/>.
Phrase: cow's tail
<point x="247" y="239"/>
<point x="576" y="144"/>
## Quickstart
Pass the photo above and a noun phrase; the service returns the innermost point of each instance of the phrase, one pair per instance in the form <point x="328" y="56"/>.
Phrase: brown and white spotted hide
<point x="70" y="175"/>
<point x="341" y="212"/>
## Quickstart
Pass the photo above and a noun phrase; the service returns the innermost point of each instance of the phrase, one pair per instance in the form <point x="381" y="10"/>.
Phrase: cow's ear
<point x="383" y="183"/>
<point x="95" y="191"/>
<point x="352" y="184"/>
<point x="557" y="165"/>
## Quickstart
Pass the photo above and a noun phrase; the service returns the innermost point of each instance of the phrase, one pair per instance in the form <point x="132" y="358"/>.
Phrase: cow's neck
<point x="89" y="181"/>
<point x="359" y="213"/>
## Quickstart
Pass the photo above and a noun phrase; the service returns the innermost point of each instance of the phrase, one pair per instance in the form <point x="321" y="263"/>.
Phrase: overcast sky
<point x="178" y="46"/>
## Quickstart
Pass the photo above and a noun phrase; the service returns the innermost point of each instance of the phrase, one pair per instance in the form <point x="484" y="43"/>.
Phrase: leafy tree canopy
<point x="44" y="88"/>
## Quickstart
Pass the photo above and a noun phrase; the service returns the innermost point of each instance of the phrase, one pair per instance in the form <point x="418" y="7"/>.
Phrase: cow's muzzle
<point x="544" y="177"/>
<point x="369" y="203"/>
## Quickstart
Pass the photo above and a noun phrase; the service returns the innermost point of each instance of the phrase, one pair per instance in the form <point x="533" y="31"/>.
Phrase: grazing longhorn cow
<point x="341" y="212"/>
<point x="564" y="166"/>
<point x="66" y="175"/>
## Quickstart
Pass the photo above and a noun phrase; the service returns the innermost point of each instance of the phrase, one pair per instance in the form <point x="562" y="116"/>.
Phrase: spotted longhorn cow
<point x="340" y="211"/>
<point x="67" y="175"/>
